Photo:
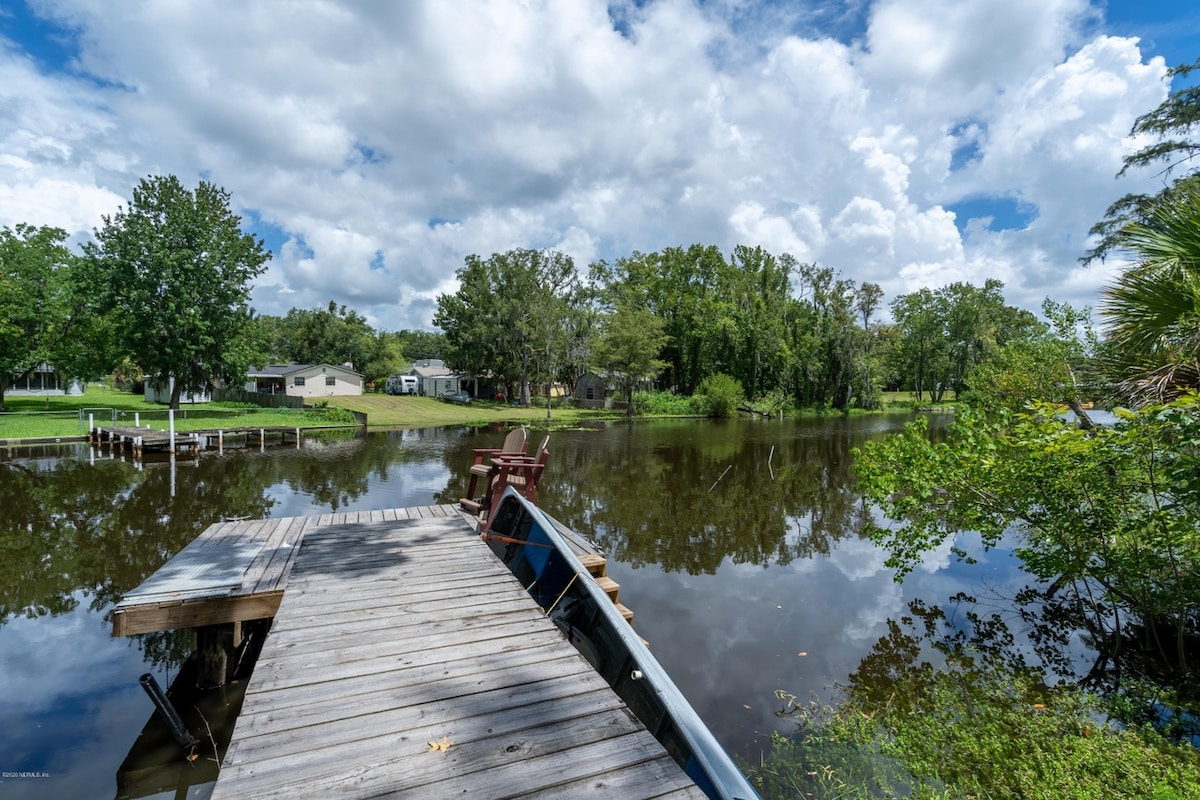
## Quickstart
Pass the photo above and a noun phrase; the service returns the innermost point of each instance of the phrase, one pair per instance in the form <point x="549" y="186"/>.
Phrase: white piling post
<point x="297" y="438"/>
<point x="221" y="440"/>
<point x="137" y="419"/>
<point x="171" y="426"/>
<point x="92" y="429"/>
<point x="262" y="440"/>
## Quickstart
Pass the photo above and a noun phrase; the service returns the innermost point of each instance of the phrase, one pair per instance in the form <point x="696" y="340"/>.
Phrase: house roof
<point x="283" y="370"/>
<point x="432" y="372"/>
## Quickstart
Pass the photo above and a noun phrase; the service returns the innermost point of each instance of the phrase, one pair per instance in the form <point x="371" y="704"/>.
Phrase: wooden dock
<point x="404" y="660"/>
<point x="232" y="572"/>
<point x="139" y="441"/>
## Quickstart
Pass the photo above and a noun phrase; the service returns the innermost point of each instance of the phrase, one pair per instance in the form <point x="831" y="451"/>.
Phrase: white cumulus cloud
<point x="375" y="145"/>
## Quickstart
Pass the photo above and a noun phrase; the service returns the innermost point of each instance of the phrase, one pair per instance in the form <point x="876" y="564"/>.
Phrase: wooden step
<point x="595" y="563"/>
<point x="610" y="587"/>
<point x="626" y="612"/>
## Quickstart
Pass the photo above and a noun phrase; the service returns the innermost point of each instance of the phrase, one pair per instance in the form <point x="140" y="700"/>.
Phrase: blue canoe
<point x="527" y="540"/>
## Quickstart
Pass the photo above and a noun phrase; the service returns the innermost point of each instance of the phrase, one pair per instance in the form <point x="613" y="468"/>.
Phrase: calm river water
<point x="736" y="544"/>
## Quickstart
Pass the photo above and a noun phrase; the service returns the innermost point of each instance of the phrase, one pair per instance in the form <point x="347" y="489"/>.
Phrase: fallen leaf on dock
<point x="802" y="653"/>
<point x="444" y="745"/>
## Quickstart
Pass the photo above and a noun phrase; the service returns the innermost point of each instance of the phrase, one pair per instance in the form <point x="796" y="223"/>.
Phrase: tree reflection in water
<point x="763" y="493"/>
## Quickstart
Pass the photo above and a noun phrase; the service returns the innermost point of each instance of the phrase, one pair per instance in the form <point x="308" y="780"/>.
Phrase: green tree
<point x="681" y="286"/>
<point x="829" y="350"/>
<point x="867" y="298"/>
<point x="947" y="332"/>
<point x="37" y="301"/>
<point x="1111" y="514"/>
<point x="965" y="726"/>
<point x="1054" y="364"/>
<point x="723" y="393"/>
<point x="757" y="297"/>
<point x="1153" y="308"/>
<point x="922" y="357"/>
<point x="510" y="314"/>
<point x="416" y="344"/>
<point x="174" y="268"/>
<point x="629" y="346"/>
<point x="334" y="335"/>
<point x="384" y="358"/>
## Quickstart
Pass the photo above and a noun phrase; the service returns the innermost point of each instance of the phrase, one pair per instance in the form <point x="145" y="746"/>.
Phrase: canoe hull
<point x="526" y="540"/>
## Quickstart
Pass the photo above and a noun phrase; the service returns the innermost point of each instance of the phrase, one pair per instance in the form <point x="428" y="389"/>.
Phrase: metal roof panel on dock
<point x="406" y="661"/>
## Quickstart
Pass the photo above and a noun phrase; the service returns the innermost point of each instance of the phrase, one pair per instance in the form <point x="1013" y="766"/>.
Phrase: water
<point x="736" y="544"/>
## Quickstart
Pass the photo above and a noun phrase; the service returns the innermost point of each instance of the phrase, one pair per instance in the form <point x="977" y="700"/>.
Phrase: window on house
<point x="299" y="381"/>
<point x="591" y="393"/>
<point x="330" y="380"/>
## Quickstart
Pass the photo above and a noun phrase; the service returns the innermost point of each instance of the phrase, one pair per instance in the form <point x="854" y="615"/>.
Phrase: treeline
<point x="800" y="333"/>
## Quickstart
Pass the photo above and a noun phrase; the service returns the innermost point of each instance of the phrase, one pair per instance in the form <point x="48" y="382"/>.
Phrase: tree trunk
<point x="525" y="401"/>
<point x="176" y="390"/>
<point x="1085" y="422"/>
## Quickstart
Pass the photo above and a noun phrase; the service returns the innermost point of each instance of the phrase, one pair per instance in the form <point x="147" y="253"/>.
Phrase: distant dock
<point x="404" y="660"/>
<point x="139" y="441"/>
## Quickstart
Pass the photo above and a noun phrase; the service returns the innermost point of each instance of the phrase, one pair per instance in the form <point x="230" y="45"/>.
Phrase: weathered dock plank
<point x="395" y="633"/>
<point x="234" y="571"/>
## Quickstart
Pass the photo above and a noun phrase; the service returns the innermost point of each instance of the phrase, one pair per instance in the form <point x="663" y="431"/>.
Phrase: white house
<point x="304" y="380"/>
<point x="434" y="378"/>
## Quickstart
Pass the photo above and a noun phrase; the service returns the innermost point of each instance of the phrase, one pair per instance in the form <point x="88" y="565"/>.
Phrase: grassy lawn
<point x="425" y="412"/>
<point x="901" y="400"/>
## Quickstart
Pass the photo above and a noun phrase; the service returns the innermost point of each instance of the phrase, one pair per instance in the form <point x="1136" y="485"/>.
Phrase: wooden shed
<point x="593" y="390"/>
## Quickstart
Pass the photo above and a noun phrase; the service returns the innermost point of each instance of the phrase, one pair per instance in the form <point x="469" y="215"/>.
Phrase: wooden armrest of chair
<point x="482" y="453"/>
<point x="502" y="459"/>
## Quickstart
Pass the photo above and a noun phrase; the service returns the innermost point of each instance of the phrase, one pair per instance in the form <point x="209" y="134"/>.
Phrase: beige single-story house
<point x="304" y="380"/>
<point x="434" y="378"/>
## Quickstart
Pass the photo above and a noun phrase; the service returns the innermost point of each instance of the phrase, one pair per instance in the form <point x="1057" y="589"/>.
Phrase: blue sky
<point x="907" y="142"/>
